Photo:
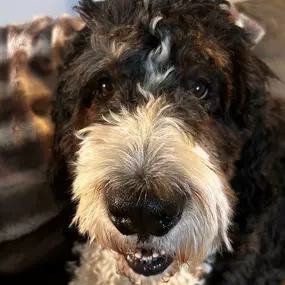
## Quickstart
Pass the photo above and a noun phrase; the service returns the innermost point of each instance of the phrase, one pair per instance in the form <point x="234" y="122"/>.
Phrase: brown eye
<point x="201" y="89"/>
<point x="106" y="87"/>
<point x="101" y="91"/>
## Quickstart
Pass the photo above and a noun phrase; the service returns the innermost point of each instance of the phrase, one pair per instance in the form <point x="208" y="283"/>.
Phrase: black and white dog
<point x="171" y="146"/>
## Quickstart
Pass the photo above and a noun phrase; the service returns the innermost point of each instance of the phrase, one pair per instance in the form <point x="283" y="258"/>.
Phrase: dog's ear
<point x="58" y="170"/>
<point x="63" y="116"/>
<point x="250" y="88"/>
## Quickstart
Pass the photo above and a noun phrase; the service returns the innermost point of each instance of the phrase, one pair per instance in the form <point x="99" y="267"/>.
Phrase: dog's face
<point x="162" y="96"/>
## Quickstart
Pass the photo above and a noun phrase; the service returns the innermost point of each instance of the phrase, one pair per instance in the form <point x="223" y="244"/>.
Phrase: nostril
<point x="123" y="224"/>
<point x="162" y="225"/>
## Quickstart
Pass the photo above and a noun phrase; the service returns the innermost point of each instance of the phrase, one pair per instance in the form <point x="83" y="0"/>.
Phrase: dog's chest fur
<point x="97" y="266"/>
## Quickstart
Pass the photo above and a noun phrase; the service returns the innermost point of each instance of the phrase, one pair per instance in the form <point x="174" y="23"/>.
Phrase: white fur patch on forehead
<point x="157" y="65"/>
<point x="154" y="22"/>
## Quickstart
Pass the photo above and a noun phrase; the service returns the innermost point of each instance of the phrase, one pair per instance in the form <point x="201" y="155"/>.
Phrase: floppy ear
<point x="58" y="170"/>
<point x="64" y="142"/>
<point x="250" y="76"/>
<point x="64" y="117"/>
<point x="250" y="90"/>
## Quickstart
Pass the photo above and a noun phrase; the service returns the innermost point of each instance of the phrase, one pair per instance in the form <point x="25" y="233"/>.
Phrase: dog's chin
<point x="148" y="262"/>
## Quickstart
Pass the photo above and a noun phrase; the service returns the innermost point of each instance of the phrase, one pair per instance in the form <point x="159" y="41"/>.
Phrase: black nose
<point x="144" y="213"/>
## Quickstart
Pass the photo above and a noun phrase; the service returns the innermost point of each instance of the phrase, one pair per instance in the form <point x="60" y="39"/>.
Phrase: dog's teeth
<point x="138" y="255"/>
<point x="155" y="255"/>
<point x="149" y="258"/>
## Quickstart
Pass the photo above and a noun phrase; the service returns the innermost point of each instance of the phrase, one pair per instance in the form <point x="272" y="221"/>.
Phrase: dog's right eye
<point x="106" y="88"/>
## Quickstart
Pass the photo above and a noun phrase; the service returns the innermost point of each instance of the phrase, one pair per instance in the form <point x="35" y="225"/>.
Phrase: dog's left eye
<point x="106" y="87"/>
<point x="200" y="89"/>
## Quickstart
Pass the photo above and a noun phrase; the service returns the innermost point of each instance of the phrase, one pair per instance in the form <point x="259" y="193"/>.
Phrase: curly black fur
<point x="258" y="235"/>
<point x="249" y="112"/>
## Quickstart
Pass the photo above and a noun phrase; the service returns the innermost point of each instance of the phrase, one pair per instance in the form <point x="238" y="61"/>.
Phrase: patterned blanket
<point x="29" y="57"/>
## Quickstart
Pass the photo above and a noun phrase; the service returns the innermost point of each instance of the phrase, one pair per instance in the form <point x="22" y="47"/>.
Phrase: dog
<point x="169" y="147"/>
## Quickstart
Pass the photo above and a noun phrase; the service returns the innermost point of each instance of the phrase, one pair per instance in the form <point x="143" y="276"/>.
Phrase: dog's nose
<point x="144" y="214"/>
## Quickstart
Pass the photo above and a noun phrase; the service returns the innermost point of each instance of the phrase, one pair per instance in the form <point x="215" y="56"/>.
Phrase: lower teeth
<point x="148" y="263"/>
<point x="138" y="255"/>
<point x="144" y="256"/>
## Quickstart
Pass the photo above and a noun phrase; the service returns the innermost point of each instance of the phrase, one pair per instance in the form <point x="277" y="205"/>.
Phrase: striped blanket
<point x="30" y="231"/>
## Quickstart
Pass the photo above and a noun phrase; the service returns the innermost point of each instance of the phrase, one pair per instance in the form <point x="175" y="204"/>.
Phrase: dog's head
<point x="154" y="105"/>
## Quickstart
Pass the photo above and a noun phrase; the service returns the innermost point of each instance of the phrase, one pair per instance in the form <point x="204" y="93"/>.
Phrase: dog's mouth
<point x="148" y="262"/>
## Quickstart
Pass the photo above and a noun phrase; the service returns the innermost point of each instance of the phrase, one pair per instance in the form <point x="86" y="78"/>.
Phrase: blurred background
<point x="270" y="15"/>
<point x="18" y="11"/>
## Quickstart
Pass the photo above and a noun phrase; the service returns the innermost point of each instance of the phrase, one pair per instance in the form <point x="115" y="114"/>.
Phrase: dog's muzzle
<point x="143" y="214"/>
<point x="149" y="192"/>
